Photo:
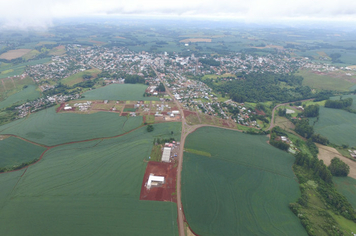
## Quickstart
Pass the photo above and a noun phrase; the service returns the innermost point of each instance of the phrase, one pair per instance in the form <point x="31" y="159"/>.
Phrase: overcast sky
<point x="23" y="13"/>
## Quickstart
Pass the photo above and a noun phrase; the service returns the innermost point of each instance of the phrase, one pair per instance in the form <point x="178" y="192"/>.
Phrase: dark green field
<point x="51" y="128"/>
<point x="15" y="151"/>
<point x="337" y="125"/>
<point x="244" y="188"/>
<point x="29" y="93"/>
<point x="131" y="92"/>
<point x="90" y="188"/>
<point x="347" y="187"/>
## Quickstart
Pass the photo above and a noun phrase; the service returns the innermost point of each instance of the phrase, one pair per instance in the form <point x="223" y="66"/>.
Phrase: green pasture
<point x="51" y="128"/>
<point x="133" y="92"/>
<point x="18" y="69"/>
<point x="244" y="188"/>
<point x="15" y="151"/>
<point x="90" y="188"/>
<point x="347" y="187"/>
<point x="78" y="77"/>
<point x="11" y="88"/>
<point x="29" y="93"/>
<point x="353" y="106"/>
<point x="337" y="125"/>
<point x="324" y="81"/>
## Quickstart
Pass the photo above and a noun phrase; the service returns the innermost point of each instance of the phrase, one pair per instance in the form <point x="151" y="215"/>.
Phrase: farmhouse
<point x="154" y="181"/>
<point x="289" y="111"/>
<point x="166" y="154"/>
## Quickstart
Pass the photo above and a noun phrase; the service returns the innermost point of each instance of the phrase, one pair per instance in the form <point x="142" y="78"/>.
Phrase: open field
<point x="30" y="54"/>
<point x="59" y="50"/>
<point x="50" y="128"/>
<point x="331" y="81"/>
<point x="347" y="187"/>
<point x="90" y="188"/>
<point x="337" y="125"/>
<point x="196" y="40"/>
<point x="13" y="54"/>
<point x="78" y="77"/>
<point x="244" y="188"/>
<point x="29" y="93"/>
<point x="15" y="151"/>
<point x="18" y="69"/>
<point x="328" y="153"/>
<point x="133" y="92"/>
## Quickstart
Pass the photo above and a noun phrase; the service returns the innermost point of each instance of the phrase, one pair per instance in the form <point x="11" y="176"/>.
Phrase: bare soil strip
<point x="328" y="153"/>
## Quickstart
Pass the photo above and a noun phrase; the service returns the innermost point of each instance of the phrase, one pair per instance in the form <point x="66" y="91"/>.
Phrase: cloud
<point x="39" y="13"/>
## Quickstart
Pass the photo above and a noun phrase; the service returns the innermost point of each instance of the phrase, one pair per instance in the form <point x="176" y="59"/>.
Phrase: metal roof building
<point x="154" y="180"/>
<point x="166" y="154"/>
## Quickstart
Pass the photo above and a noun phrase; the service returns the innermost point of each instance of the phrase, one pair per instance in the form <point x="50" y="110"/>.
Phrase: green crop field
<point x="15" y="151"/>
<point x="324" y="81"/>
<point x="29" y="93"/>
<point x="78" y="77"/>
<point x="244" y="188"/>
<point x="51" y="128"/>
<point x="337" y="125"/>
<point x="347" y="187"/>
<point x="132" y="92"/>
<point x="90" y="188"/>
<point x="353" y="106"/>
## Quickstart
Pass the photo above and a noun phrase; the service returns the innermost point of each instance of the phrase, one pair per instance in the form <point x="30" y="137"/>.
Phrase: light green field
<point x="50" y="128"/>
<point x="133" y="92"/>
<point x="324" y="81"/>
<point x="78" y="77"/>
<point x="15" y="151"/>
<point x="244" y="188"/>
<point x="90" y="188"/>
<point x="29" y="93"/>
<point x="353" y="106"/>
<point x="30" y="54"/>
<point x="337" y="125"/>
<point x="347" y="187"/>
<point x="13" y="87"/>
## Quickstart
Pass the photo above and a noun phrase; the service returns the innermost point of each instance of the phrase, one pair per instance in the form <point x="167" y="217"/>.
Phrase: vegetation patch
<point x="132" y="92"/>
<point x="198" y="152"/>
<point x="51" y="128"/>
<point x="87" y="189"/>
<point x="79" y="77"/>
<point x="338" y="126"/>
<point x="15" y="152"/>
<point x="28" y="93"/>
<point x="243" y="189"/>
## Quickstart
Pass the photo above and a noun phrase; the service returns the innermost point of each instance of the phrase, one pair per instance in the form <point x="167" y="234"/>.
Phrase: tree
<point x="161" y="88"/>
<point x="150" y="128"/>
<point x="338" y="167"/>
<point x="311" y="111"/>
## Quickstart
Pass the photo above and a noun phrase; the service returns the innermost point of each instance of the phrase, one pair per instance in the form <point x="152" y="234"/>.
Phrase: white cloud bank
<point x="39" y="13"/>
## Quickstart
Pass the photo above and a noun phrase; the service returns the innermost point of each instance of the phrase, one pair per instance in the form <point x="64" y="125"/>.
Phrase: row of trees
<point x="339" y="104"/>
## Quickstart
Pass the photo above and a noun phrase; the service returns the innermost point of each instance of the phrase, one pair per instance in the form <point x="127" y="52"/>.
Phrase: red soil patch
<point x="164" y="113"/>
<point x="260" y="112"/>
<point x="144" y="119"/>
<point x="60" y="107"/>
<point x="188" y="113"/>
<point x="175" y="108"/>
<point x="165" y="191"/>
<point x="124" y="114"/>
<point x="225" y="123"/>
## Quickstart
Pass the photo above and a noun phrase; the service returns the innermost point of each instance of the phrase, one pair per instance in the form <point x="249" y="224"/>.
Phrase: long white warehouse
<point x="166" y="154"/>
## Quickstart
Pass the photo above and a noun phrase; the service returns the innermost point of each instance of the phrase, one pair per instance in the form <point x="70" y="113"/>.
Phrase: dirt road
<point x="328" y="153"/>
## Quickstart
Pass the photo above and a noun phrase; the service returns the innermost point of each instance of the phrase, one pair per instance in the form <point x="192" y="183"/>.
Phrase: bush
<point x="150" y="128"/>
<point x="338" y="167"/>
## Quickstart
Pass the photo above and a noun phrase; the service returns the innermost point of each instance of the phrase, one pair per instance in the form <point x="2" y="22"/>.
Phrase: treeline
<point x="134" y="79"/>
<point x="65" y="89"/>
<point x="209" y="62"/>
<point x="311" y="111"/>
<point x="339" y="104"/>
<point x="258" y="87"/>
<point x="22" y="165"/>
